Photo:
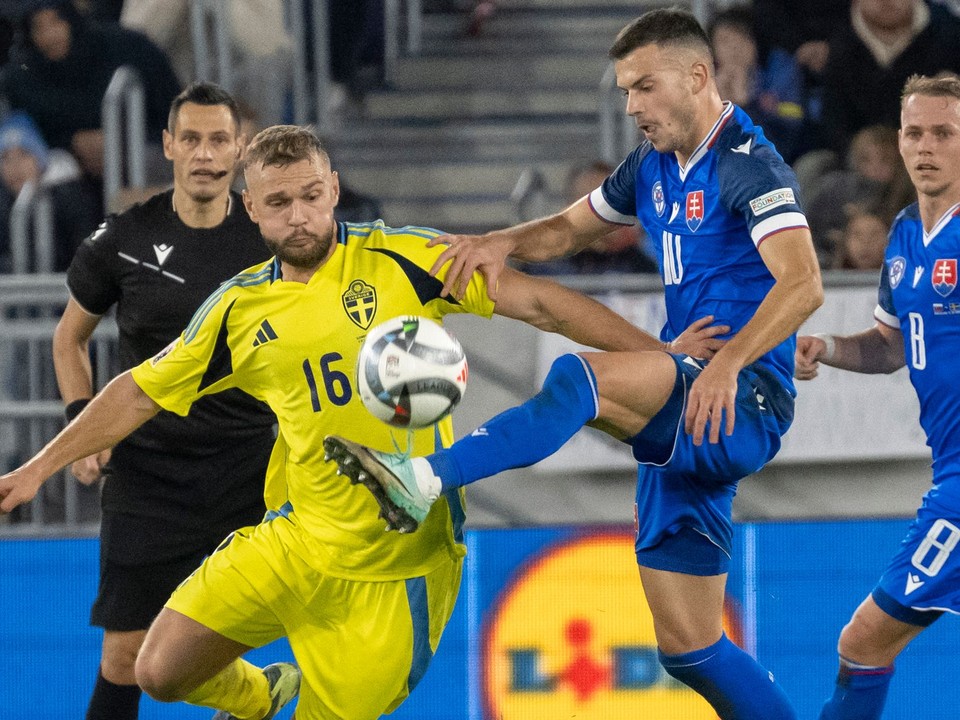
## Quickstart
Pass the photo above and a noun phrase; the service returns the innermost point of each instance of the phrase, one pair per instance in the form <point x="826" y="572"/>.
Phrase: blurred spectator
<point x="357" y="207"/>
<point x="874" y="174"/>
<point x="624" y="249"/>
<point x="872" y="55"/>
<point x="864" y="237"/>
<point x="800" y="28"/>
<point x="28" y="165"/>
<point x="770" y="91"/>
<point x="260" y="47"/>
<point x="803" y="30"/>
<point x="59" y="71"/>
<point x="6" y="38"/>
<point x="481" y="13"/>
<point x="100" y="10"/>
<point x="356" y="48"/>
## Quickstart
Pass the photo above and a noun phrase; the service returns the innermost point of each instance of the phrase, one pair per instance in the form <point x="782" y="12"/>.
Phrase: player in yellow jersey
<point x="363" y="609"/>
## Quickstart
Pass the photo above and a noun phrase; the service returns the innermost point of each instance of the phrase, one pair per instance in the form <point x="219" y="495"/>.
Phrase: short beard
<point x="302" y="258"/>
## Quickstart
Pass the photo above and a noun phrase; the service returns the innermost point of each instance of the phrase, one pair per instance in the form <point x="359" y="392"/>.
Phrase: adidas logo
<point x="265" y="334"/>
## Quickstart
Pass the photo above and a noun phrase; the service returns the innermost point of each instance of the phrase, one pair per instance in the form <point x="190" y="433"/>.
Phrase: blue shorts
<point x="682" y="486"/>
<point x="922" y="580"/>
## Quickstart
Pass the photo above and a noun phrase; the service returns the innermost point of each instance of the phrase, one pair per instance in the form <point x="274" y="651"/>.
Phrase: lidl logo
<point x="571" y="636"/>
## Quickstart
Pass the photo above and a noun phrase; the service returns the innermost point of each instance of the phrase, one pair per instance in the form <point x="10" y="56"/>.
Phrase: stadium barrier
<point x="550" y="623"/>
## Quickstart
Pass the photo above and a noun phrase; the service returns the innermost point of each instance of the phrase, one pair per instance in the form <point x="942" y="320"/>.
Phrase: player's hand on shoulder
<point x="700" y="339"/>
<point x="468" y="253"/>
<point x="90" y="469"/>
<point x="16" y="488"/>
<point x="711" y="403"/>
<point x="807" y="357"/>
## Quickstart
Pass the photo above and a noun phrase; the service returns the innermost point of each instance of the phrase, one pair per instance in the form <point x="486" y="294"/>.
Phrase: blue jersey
<point x="919" y="296"/>
<point x="709" y="218"/>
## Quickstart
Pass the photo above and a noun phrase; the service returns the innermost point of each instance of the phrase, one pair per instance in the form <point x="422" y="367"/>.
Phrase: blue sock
<point x="734" y="683"/>
<point x="527" y="433"/>
<point x="860" y="693"/>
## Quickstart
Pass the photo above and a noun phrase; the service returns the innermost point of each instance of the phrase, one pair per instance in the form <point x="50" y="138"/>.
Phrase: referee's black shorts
<point x="130" y="596"/>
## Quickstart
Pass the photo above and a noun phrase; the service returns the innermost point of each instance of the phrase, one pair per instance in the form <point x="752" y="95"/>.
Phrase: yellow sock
<point x="240" y="688"/>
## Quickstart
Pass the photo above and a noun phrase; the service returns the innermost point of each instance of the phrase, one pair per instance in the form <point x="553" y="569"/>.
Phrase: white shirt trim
<point x="603" y="209"/>
<point x="941" y="224"/>
<point x="886" y="318"/>
<point x="783" y="221"/>
<point x="707" y="141"/>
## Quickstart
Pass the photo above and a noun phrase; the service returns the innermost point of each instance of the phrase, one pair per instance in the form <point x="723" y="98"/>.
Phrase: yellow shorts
<point x="362" y="646"/>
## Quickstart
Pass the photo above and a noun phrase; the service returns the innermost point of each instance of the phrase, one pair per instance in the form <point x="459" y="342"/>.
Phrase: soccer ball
<point x="411" y="373"/>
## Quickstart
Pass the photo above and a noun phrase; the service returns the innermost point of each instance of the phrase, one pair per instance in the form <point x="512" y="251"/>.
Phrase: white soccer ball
<point x="411" y="373"/>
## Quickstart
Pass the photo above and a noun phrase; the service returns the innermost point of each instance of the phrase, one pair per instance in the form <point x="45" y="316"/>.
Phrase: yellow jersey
<point x="295" y="346"/>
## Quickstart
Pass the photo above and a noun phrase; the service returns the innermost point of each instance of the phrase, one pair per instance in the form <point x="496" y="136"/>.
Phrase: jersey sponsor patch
<point x="163" y="353"/>
<point x="360" y="303"/>
<point x="694" y="209"/>
<point x="659" y="204"/>
<point x="897" y="267"/>
<point x="773" y="199"/>
<point x="944" y="276"/>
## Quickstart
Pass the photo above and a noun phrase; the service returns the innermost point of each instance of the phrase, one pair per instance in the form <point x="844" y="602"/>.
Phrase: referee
<point x="177" y="486"/>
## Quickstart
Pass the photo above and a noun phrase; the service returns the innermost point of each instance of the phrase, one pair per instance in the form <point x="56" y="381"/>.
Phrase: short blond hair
<point x="283" y="145"/>
<point x="945" y="85"/>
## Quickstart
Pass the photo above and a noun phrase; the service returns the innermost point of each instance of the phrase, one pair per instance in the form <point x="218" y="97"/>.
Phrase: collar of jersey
<point x="708" y="141"/>
<point x="941" y="224"/>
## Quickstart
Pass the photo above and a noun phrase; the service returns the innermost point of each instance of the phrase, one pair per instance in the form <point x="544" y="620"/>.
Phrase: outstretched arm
<point x="71" y="361"/>
<point x="877" y="350"/>
<point x="555" y="236"/>
<point x="116" y="412"/>
<point x="552" y="307"/>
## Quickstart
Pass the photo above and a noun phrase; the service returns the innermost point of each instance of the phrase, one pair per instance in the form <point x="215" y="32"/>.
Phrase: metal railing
<point x="311" y="78"/>
<point x="618" y="131"/>
<point x="210" y="17"/>
<point x="531" y="195"/>
<point x="124" y="134"/>
<point x="30" y="409"/>
<point x="393" y="28"/>
<point x="32" y="230"/>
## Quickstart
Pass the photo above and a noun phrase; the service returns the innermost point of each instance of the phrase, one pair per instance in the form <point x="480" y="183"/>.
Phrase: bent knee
<point x="155" y="679"/>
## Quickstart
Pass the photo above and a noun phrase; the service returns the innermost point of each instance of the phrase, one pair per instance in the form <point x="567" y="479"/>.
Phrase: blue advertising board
<point x="551" y="622"/>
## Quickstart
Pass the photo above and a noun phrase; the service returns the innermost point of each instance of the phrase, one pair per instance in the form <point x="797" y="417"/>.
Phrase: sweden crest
<point x="360" y="303"/>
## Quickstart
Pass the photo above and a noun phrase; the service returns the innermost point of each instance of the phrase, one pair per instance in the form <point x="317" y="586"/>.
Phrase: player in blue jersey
<point x="722" y="204"/>
<point x="918" y="325"/>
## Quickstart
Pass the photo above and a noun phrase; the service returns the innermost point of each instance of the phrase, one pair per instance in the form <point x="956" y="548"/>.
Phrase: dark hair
<point x="203" y="93"/>
<point x="283" y="145"/>
<point x="665" y="26"/>
<point x="946" y="85"/>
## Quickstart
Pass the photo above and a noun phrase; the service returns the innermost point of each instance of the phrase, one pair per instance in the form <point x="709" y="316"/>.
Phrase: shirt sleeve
<point x="886" y="311"/>
<point x="197" y="363"/>
<point x="93" y="275"/>
<point x="616" y="200"/>
<point x="758" y="185"/>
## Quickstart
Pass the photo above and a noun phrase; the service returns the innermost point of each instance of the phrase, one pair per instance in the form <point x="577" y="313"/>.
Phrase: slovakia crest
<point x="694" y="209"/>
<point x="897" y="267"/>
<point x="659" y="204"/>
<point x="944" y="276"/>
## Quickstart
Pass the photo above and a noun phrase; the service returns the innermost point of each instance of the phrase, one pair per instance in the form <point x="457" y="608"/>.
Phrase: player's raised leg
<point x="619" y="392"/>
